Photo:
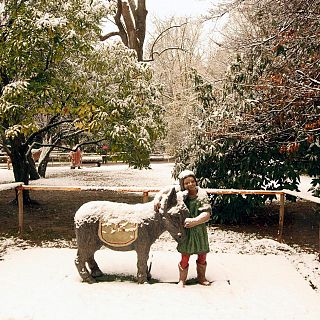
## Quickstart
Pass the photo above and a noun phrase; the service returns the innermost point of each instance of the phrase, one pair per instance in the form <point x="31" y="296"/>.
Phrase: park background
<point x="231" y="94"/>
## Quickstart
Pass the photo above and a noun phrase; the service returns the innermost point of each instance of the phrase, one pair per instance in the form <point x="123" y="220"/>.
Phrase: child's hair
<point x="185" y="174"/>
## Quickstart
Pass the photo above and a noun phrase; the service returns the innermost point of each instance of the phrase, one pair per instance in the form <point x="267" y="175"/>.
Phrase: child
<point x="75" y="157"/>
<point x="197" y="242"/>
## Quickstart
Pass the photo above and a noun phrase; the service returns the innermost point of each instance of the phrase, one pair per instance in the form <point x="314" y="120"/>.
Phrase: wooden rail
<point x="146" y="190"/>
<point x="280" y="193"/>
<point x="20" y="188"/>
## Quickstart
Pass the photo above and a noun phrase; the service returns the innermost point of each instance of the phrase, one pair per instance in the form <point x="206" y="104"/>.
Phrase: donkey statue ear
<point x="172" y="198"/>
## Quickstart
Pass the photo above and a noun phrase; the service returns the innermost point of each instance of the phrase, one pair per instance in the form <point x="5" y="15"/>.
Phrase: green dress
<point x="197" y="237"/>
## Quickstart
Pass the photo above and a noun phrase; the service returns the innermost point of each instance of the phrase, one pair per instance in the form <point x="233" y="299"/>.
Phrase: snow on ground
<point x="43" y="284"/>
<point x="252" y="278"/>
<point x="113" y="175"/>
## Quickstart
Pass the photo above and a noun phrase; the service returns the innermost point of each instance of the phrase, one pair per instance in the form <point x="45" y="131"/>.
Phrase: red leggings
<point x="185" y="259"/>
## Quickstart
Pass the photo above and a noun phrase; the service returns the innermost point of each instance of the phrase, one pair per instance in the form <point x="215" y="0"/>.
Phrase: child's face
<point x="189" y="183"/>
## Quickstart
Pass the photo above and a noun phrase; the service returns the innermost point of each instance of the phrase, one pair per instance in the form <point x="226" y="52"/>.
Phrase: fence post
<point x="20" y="206"/>
<point x="281" y="216"/>
<point x="145" y="196"/>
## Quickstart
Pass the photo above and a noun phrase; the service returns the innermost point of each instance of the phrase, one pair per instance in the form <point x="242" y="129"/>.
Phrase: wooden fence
<point x="146" y="190"/>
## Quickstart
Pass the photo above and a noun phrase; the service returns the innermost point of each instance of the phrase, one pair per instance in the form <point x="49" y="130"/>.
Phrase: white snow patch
<point x="43" y="284"/>
<point x="113" y="212"/>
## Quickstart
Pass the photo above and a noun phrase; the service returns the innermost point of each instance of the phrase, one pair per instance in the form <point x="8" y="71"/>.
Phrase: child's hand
<point x="156" y="206"/>
<point x="190" y="223"/>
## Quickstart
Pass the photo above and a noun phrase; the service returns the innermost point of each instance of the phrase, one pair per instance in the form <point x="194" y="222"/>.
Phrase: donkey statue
<point x="92" y="217"/>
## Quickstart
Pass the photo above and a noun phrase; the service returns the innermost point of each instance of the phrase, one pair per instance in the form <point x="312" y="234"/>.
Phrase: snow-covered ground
<point x="107" y="175"/>
<point x="252" y="278"/>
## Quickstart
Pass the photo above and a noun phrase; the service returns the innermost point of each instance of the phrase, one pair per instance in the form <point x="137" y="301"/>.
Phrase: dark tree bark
<point x="20" y="164"/>
<point x="33" y="173"/>
<point x="130" y="20"/>
<point x="43" y="161"/>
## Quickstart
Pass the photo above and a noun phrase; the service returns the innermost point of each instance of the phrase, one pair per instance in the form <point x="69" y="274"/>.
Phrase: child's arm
<point x="204" y="209"/>
<point x="201" y="218"/>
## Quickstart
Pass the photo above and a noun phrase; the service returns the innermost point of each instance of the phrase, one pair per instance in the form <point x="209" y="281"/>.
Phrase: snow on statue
<point x="125" y="227"/>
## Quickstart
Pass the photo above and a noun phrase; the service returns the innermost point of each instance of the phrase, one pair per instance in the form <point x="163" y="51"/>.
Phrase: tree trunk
<point x="33" y="173"/>
<point x="20" y="165"/>
<point x="43" y="161"/>
<point x="133" y="31"/>
<point x="140" y="19"/>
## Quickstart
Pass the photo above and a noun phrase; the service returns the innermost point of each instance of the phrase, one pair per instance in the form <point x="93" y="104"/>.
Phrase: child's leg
<point x="184" y="263"/>
<point x="183" y="269"/>
<point x="202" y="258"/>
<point x="201" y="269"/>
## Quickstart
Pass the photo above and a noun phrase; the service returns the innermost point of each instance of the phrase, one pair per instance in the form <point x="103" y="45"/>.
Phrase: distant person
<point x="8" y="162"/>
<point x="104" y="152"/>
<point x="76" y="158"/>
<point x="197" y="242"/>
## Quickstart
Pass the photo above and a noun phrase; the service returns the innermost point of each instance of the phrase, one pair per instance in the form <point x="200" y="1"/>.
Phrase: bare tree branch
<point x="117" y="20"/>
<point x="130" y="26"/>
<point x="159" y="37"/>
<point x="163" y="51"/>
<point x="45" y="129"/>
<point x="133" y="8"/>
<point x="109" y="35"/>
<point x="309" y="78"/>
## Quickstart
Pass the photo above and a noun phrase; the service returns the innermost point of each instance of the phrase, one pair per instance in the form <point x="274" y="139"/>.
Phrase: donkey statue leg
<point x="95" y="270"/>
<point x="142" y="264"/>
<point x="80" y="263"/>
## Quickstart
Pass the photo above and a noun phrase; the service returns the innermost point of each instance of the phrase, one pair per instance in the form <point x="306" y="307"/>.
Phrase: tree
<point x="175" y="51"/>
<point x="56" y="78"/>
<point x="261" y="127"/>
<point x="130" y="20"/>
